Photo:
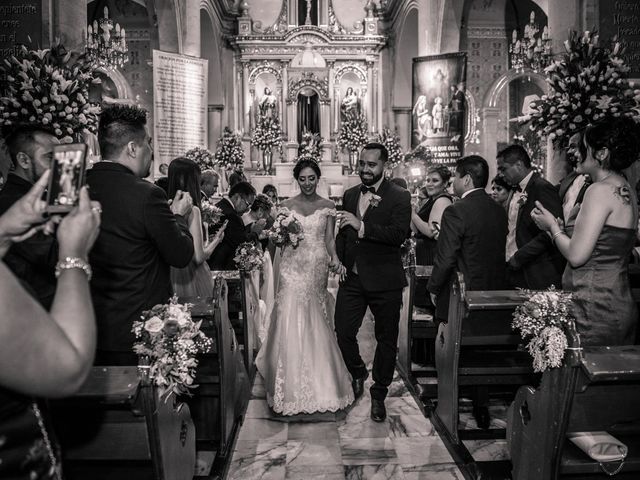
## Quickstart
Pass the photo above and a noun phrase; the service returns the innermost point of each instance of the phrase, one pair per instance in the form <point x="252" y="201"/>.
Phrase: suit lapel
<point x="380" y="193"/>
<point x="566" y="183"/>
<point x="526" y="192"/>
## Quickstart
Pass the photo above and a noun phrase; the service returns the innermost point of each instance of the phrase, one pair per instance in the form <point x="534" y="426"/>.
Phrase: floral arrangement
<point x="311" y="145"/>
<point x="532" y="143"/>
<point x="229" y="153"/>
<point x="391" y="140"/>
<point x="353" y="133"/>
<point x="267" y="134"/>
<point x="50" y="88"/>
<point x="203" y="157"/>
<point x="588" y="83"/>
<point x="286" y="229"/>
<point x="248" y="257"/>
<point x="542" y="320"/>
<point x="211" y="214"/>
<point x="171" y="340"/>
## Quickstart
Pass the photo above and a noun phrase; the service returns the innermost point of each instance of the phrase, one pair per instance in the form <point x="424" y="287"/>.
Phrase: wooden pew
<point x="244" y="311"/>
<point x="597" y="389"/>
<point x="476" y="347"/>
<point x="220" y="399"/>
<point x="117" y="427"/>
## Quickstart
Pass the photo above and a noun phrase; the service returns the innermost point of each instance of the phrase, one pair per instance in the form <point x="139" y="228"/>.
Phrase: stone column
<point x="283" y="98"/>
<point x="402" y="118"/>
<point x="190" y="27"/>
<point x="332" y="100"/>
<point x="563" y="16"/>
<point x="489" y="116"/>
<point x="244" y="82"/>
<point x="66" y="20"/>
<point x="375" y="89"/>
<point x="214" y="127"/>
<point x="369" y="103"/>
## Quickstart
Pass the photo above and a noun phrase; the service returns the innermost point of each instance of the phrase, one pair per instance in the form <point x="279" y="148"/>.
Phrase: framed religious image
<point x="67" y="177"/>
<point x="438" y="105"/>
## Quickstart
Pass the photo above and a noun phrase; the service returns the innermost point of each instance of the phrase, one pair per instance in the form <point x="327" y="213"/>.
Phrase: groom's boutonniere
<point x="374" y="201"/>
<point x="522" y="200"/>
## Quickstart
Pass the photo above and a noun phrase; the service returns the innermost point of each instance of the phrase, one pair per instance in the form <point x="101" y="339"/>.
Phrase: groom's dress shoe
<point x="358" y="387"/>
<point x="378" y="412"/>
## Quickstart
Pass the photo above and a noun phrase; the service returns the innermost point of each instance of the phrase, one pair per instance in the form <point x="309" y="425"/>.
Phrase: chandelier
<point x="532" y="50"/>
<point x="106" y="46"/>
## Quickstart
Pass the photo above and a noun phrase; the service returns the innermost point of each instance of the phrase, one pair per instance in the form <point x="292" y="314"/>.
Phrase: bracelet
<point x="73" y="262"/>
<point x="555" y="235"/>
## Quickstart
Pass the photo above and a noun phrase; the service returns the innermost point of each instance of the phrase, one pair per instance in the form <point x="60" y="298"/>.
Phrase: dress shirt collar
<point x="469" y="191"/>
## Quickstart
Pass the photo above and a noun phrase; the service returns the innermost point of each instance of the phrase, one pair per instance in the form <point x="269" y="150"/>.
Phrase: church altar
<point x="305" y="77"/>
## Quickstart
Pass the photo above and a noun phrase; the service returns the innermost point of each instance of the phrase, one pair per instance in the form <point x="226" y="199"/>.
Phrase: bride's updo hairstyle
<point x="621" y="136"/>
<point x="306" y="162"/>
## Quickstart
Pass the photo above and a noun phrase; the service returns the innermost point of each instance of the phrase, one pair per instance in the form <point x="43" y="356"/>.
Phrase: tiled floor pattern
<point x="350" y="446"/>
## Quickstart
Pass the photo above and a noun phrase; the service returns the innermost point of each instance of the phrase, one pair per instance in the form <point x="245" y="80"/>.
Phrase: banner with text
<point x="438" y="113"/>
<point x="179" y="105"/>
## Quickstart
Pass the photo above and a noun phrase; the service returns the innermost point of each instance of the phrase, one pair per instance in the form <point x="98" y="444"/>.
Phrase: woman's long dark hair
<point x="184" y="174"/>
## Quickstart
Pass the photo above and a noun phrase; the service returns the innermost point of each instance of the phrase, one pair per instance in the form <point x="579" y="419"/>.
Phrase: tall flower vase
<point x="267" y="160"/>
<point x="353" y="161"/>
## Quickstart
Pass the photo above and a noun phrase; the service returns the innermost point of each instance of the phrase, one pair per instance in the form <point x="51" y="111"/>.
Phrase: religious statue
<point x="268" y="104"/>
<point x="424" y="120"/>
<point x="350" y="105"/>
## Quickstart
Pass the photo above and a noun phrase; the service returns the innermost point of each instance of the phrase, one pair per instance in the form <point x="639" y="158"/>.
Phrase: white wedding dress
<point x="300" y="360"/>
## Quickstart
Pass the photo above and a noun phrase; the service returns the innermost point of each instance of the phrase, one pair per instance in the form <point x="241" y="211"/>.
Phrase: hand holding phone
<point x="66" y="177"/>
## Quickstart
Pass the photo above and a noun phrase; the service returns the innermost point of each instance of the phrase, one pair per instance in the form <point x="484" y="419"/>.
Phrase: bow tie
<point x="364" y="189"/>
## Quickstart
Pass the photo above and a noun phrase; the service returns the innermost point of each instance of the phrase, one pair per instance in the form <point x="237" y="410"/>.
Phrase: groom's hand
<point x="348" y="218"/>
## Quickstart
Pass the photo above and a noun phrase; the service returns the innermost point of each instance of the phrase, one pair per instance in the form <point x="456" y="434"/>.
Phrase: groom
<point x="373" y="225"/>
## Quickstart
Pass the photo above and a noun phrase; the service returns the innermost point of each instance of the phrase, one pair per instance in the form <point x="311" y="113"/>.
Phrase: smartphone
<point x="66" y="177"/>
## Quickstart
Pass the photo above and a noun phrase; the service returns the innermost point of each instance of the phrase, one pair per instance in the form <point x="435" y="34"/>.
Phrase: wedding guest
<point x="163" y="181"/>
<point x="43" y="354"/>
<point x="33" y="260"/>
<point x="573" y="187"/>
<point x="533" y="261"/>
<point x="400" y="181"/>
<point x="194" y="279"/>
<point x="237" y="176"/>
<point x="209" y="184"/>
<point x="141" y="235"/>
<point x="259" y="218"/>
<point x="426" y="221"/>
<point x="472" y="242"/>
<point x="239" y="200"/>
<point x="500" y="191"/>
<point x="272" y="192"/>
<point x="599" y="237"/>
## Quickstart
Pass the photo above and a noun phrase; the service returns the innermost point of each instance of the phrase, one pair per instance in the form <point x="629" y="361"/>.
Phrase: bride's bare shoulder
<point x="325" y="203"/>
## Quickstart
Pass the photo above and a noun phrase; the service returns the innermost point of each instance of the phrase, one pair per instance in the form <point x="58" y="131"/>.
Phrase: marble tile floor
<point x="346" y="445"/>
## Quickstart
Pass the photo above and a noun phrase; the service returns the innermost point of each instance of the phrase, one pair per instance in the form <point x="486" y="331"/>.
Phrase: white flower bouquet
<point x="171" y="340"/>
<point x="267" y="134"/>
<point x="203" y="157"/>
<point x="286" y="230"/>
<point x="211" y="214"/>
<point x="589" y="83"/>
<point x="391" y="140"/>
<point x="353" y="133"/>
<point x="248" y="257"/>
<point x="229" y="153"/>
<point x="50" y="88"/>
<point x="542" y="321"/>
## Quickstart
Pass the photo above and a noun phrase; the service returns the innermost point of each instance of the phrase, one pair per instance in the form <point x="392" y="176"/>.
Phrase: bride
<point x="300" y="360"/>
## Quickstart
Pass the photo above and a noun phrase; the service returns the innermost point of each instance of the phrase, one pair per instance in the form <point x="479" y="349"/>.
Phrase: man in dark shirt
<point x="140" y="235"/>
<point x="32" y="260"/>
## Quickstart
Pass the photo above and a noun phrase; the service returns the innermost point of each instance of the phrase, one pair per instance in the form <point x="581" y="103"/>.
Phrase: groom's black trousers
<point x="351" y="306"/>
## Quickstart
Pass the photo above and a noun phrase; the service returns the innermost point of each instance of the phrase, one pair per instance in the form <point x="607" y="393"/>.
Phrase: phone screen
<point x="67" y="177"/>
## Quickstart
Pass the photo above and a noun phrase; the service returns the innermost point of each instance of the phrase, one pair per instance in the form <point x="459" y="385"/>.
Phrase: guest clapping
<point x="194" y="279"/>
<point x="598" y="243"/>
<point x="140" y="238"/>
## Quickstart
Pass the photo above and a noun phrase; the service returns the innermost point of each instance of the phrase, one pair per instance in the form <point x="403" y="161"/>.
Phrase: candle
<point x="514" y="36"/>
<point x="117" y="29"/>
<point x="106" y="12"/>
<point x="122" y="33"/>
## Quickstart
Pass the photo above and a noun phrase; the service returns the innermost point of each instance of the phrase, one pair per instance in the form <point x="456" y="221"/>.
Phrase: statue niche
<point x="308" y="109"/>
<point x="268" y="105"/>
<point x="308" y="12"/>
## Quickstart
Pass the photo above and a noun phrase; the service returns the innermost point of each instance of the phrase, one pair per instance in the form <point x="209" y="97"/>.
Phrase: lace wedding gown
<point x="300" y="360"/>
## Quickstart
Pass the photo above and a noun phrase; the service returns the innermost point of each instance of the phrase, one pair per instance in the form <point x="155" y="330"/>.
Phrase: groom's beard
<point x="368" y="181"/>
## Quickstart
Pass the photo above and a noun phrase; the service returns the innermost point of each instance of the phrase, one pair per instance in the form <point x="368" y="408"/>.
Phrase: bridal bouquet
<point x="248" y="257"/>
<point x="286" y="230"/>
<point x="211" y="214"/>
<point x="542" y="321"/>
<point x="171" y="340"/>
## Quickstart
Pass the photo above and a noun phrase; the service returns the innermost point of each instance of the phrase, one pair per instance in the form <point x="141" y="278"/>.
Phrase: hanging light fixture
<point x="532" y="50"/>
<point x="106" y="46"/>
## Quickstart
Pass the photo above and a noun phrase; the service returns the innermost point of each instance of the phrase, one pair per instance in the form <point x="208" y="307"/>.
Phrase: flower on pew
<point x="248" y="257"/>
<point x="286" y="230"/>
<point x="211" y="214"/>
<point x="542" y="321"/>
<point x="171" y="340"/>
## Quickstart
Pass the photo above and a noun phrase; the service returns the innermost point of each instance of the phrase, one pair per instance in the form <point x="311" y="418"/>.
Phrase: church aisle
<point x="342" y="446"/>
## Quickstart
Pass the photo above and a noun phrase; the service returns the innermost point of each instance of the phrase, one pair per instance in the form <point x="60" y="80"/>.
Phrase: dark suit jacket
<point x="234" y="235"/>
<point x="537" y="260"/>
<point x="564" y="185"/>
<point x="472" y="241"/>
<point x="377" y="255"/>
<point x="33" y="260"/>
<point x="140" y="238"/>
